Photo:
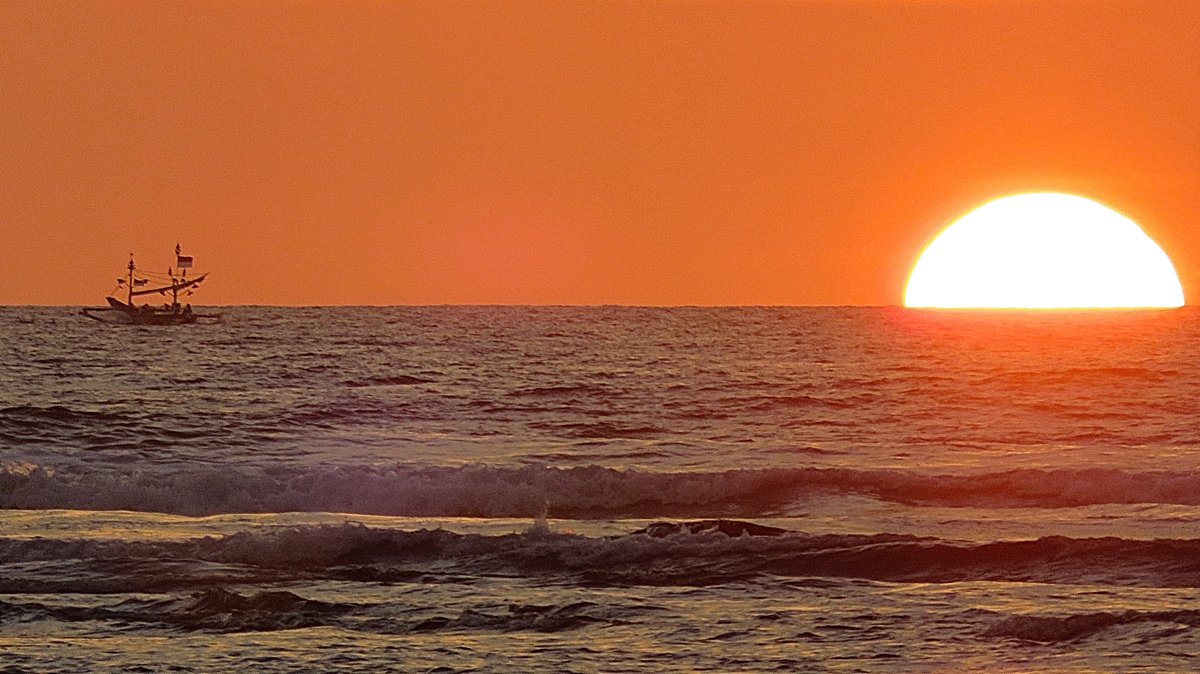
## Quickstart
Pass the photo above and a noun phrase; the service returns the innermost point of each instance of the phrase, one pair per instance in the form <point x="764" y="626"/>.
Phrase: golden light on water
<point x="1043" y="251"/>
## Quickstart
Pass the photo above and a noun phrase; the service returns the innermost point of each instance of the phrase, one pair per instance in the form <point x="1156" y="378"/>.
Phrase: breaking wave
<point x="577" y="493"/>
<point x="693" y="554"/>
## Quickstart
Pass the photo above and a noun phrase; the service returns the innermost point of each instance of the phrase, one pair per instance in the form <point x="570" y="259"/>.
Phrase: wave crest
<point x="578" y="493"/>
<point x="691" y="554"/>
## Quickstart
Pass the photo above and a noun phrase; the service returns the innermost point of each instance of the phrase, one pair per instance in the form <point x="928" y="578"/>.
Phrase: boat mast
<point x="131" y="279"/>
<point x="174" y="285"/>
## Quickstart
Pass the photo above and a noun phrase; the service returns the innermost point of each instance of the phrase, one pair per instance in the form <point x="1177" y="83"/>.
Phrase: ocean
<point x="601" y="489"/>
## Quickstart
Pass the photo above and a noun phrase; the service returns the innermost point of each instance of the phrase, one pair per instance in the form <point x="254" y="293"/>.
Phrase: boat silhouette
<point x="139" y="283"/>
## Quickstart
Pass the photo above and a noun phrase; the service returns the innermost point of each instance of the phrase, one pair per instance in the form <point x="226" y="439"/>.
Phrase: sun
<point x="1043" y="251"/>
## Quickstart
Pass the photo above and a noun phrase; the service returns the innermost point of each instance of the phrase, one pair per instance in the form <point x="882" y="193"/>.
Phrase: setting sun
<point x="1043" y="251"/>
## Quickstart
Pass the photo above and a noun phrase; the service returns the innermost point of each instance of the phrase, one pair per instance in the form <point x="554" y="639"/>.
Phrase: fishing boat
<point x="141" y="283"/>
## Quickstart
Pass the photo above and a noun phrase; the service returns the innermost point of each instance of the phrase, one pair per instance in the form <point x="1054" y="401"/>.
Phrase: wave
<point x="560" y="391"/>
<point x="1076" y="375"/>
<point x="215" y="610"/>
<point x="576" y="493"/>
<point x="600" y="430"/>
<point x="218" y="610"/>
<point x="27" y="422"/>
<point x="667" y="554"/>
<point x="1050" y="629"/>
<point x="394" y="380"/>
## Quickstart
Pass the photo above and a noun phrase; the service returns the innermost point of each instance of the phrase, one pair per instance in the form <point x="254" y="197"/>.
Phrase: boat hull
<point x="121" y="313"/>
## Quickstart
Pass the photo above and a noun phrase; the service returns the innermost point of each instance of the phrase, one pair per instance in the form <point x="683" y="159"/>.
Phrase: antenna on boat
<point x="131" y="279"/>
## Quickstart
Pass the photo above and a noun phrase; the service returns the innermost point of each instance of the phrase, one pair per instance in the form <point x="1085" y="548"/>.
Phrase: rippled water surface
<point x="483" y="489"/>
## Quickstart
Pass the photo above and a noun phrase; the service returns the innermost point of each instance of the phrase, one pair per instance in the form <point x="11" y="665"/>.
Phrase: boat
<point x="141" y="283"/>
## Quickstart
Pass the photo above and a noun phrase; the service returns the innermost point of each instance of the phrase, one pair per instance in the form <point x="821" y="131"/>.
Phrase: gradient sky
<point x="572" y="152"/>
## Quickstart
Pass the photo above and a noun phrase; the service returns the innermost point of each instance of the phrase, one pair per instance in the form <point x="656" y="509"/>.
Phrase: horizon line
<point x="638" y="306"/>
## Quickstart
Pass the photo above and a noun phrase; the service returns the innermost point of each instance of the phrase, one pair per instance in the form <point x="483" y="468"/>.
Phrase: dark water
<point x="470" y="487"/>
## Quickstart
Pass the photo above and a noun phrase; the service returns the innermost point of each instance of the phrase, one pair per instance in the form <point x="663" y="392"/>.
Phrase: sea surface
<point x="601" y="489"/>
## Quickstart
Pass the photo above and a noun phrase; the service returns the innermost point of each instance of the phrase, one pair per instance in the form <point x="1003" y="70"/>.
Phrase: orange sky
<point x="572" y="152"/>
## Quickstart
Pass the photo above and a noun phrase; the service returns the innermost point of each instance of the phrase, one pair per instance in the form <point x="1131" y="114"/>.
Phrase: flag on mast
<point x="182" y="261"/>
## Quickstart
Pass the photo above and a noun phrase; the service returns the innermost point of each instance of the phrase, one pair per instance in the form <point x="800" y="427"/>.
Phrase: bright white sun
<point x="1043" y="251"/>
